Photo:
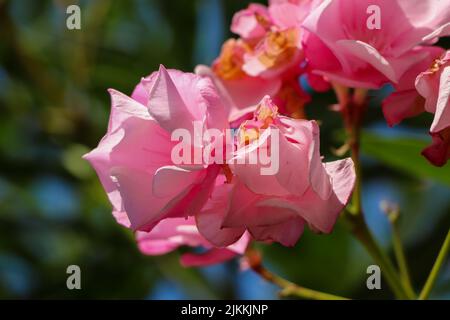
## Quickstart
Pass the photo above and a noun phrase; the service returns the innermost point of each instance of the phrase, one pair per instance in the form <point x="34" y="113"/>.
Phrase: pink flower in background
<point x="133" y="160"/>
<point x="434" y="86"/>
<point x="240" y="92"/>
<point x="172" y="233"/>
<point x="406" y="102"/>
<point x="278" y="51"/>
<point x="280" y="48"/>
<point x="251" y="23"/>
<point x="266" y="60"/>
<point x="343" y="48"/>
<point x="276" y="207"/>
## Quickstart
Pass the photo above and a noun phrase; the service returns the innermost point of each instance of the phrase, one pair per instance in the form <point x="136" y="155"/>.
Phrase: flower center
<point x="279" y="47"/>
<point x="435" y="65"/>
<point x="229" y="64"/>
<point x="263" y="21"/>
<point x="265" y="115"/>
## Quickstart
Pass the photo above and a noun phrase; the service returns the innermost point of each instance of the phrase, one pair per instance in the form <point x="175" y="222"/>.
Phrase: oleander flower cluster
<point x="252" y="98"/>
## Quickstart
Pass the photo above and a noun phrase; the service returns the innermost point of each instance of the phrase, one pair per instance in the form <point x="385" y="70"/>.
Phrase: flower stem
<point x="437" y="266"/>
<point x="353" y="108"/>
<point x="360" y="230"/>
<point x="289" y="289"/>
<point x="401" y="260"/>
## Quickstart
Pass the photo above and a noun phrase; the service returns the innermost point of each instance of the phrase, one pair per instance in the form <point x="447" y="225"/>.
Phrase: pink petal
<point x="293" y="174"/>
<point x="286" y="15"/>
<point x="134" y="186"/>
<point x="371" y="58"/>
<point x="168" y="235"/>
<point x="300" y="160"/>
<point x="141" y="93"/>
<point x="250" y="173"/>
<point x="126" y="146"/>
<point x="442" y="115"/>
<point x="166" y="104"/>
<point x="322" y="214"/>
<point x="212" y="256"/>
<point x="177" y="99"/>
<point x="121" y="218"/>
<point x="241" y="245"/>
<point x="169" y="181"/>
<point x="250" y="209"/>
<point x="245" y="23"/>
<point x="439" y="151"/>
<point x="287" y="233"/>
<point x="401" y="105"/>
<point x="320" y="181"/>
<point x="210" y="218"/>
<point x="370" y="55"/>
<point x="240" y="96"/>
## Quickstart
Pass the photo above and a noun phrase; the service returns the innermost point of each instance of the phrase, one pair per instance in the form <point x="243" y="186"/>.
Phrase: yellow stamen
<point x="280" y="47"/>
<point x="266" y="114"/>
<point x="250" y="131"/>
<point x="435" y="65"/>
<point x="247" y="135"/>
<point x="265" y="23"/>
<point x="229" y="64"/>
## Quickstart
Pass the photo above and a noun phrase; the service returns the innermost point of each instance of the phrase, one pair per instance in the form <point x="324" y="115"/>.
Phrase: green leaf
<point x="403" y="153"/>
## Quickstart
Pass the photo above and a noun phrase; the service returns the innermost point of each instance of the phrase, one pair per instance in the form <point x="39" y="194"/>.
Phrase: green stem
<point x="360" y="230"/>
<point x="435" y="271"/>
<point x="288" y="288"/>
<point x="357" y="193"/>
<point x="401" y="260"/>
<point x="353" y="112"/>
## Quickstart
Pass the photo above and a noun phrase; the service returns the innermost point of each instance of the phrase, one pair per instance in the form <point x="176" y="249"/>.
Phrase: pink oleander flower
<point x="346" y="47"/>
<point x="172" y="233"/>
<point x="266" y="60"/>
<point x="133" y="160"/>
<point x="278" y="51"/>
<point x="434" y="86"/>
<point x="274" y="207"/>
<point x="280" y="47"/>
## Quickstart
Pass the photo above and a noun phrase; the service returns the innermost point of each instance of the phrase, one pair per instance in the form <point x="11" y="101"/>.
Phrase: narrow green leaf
<point x="403" y="153"/>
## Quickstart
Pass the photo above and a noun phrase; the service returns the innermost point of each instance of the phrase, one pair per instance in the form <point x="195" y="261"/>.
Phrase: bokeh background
<point x="53" y="212"/>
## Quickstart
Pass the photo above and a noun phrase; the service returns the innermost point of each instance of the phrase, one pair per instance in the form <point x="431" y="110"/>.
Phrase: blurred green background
<point x="53" y="212"/>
